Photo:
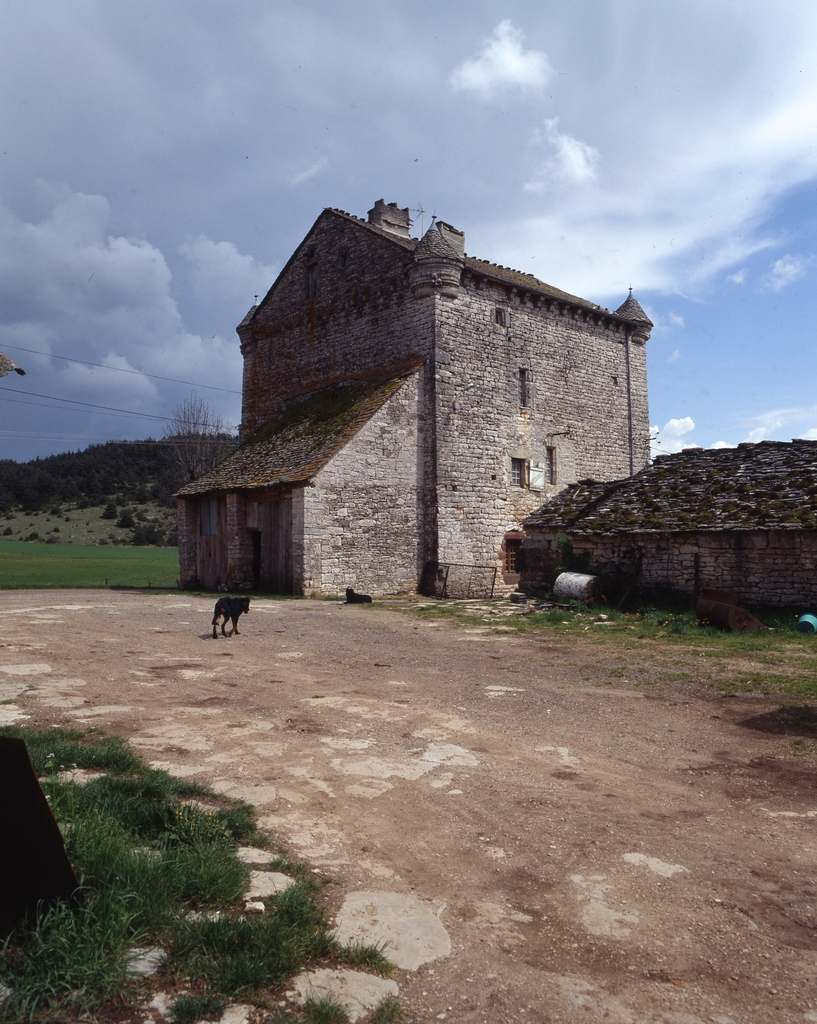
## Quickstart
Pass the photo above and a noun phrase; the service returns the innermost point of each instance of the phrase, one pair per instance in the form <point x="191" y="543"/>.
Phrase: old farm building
<point x="739" y="519"/>
<point x="405" y="407"/>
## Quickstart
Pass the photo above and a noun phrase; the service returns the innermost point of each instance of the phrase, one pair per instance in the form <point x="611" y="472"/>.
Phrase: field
<point x="34" y="566"/>
<point x="71" y="524"/>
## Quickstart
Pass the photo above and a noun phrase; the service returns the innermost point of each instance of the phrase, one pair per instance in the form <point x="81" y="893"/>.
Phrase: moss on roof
<point x="767" y="486"/>
<point x="295" y="443"/>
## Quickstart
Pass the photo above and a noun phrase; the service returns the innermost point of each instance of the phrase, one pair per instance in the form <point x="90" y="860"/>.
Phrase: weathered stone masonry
<point x="510" y="373"/>
<point x="742" y="520"/>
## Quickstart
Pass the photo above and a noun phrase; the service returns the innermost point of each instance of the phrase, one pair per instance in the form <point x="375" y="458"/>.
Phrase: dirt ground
<point x="595" y="852"/>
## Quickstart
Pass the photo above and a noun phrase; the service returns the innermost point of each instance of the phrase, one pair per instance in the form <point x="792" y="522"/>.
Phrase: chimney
<point x="390" y="218"/>
<point x="454" y="237"/>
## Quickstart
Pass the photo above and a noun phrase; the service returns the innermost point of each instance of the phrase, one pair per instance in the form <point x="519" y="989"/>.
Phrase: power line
<point x="90" y="405"/>
<point x="60" y="408"/>
<point x="119" y="369"/>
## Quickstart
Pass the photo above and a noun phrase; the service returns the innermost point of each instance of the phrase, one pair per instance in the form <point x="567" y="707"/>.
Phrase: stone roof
<point x="767" y="486"/>
<point x="295" y="443"/>
<point x="631" y="309"/>
<point x="433" y="245"/>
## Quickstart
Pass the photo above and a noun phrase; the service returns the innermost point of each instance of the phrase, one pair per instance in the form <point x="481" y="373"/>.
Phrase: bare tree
<point x="197" y="438"/>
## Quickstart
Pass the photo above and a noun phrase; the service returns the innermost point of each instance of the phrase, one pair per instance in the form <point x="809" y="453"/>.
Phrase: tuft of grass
<point x="373" y="956"/>
<point x="389" y="1011"/>
<point x="191" y="1008"/>
<point x="53" y="750"/>
<point x="324" y="1010"/>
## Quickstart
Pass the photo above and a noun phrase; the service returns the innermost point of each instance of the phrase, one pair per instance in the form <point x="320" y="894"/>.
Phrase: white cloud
<point x="738" y="277"/>
<point x="676" y="355"/>
<point x="809" y="435"/>
<point x="676" y="319"/>
<point x="722" y="444"/>
<point x="672" y="437"/>
<point x="310" y="172"/>
<point x="502" y="62"/>
<point x="787" y="270"/>
<point x="73" y="289"/>
<point x="573" y="161"/>
<point x="222" y="276"/>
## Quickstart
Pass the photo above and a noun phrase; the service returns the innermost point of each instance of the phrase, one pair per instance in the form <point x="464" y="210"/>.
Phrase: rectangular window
<point x="512" y="555"/>
<point x="519" y="472"/>
<point x="524" y="387"/>
<point x="209" y="517"/>
<point x="311" y="281"/>
<point x="537" y="476"/>
<point x="550" y="466"/>
<point x="500" y="318"/>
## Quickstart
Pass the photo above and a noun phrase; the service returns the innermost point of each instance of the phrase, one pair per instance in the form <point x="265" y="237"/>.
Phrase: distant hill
<point x="129" y="472"/>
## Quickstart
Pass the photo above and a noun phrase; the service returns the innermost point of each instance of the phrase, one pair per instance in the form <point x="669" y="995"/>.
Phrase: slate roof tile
<point x="767" y="486"/>
<point x="295" y="443"/>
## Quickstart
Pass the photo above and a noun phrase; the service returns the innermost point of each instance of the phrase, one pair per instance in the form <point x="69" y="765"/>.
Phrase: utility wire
<point x="119" y="369"/>
<point x="90" y="405"/>
<point x="62" y="408"/>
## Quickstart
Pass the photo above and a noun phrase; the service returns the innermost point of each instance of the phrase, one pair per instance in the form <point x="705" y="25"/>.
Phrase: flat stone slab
<point x="267" y="883"/>
<point x="411" y="928"/>
<point x="252" y="855"/>
<point x="144" y="961"/>
<point x="356" y="992"/>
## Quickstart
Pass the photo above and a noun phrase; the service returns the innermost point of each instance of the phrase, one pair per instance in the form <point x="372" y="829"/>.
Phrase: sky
<point x="159" y="162"/>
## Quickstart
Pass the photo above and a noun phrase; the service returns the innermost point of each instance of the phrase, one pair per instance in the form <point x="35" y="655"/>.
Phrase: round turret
<point x="436" y="267"/>
<point x="631" y="310"/>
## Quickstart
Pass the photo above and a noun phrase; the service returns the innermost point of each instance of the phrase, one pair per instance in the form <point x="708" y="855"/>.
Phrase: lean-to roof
<point x="767" y="486"/>
<point x="295" y="443"/>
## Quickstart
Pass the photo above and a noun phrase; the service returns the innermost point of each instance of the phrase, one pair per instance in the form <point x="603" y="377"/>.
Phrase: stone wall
<point x="576" y="375"/>
<point x="777" y="568"/>
<point x="363" y="511"/>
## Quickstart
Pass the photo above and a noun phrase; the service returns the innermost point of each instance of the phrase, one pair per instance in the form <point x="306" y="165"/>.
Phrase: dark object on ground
<point x="353" y="598"/>
<point x="720" y="608"/>
<point x="33" y="862"/>
<point x="807" y="623"/>
<point x="517" y="597"/>
<point x="230" y="608"/>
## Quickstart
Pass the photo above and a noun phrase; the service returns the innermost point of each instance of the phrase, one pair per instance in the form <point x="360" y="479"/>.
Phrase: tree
<point x="196" y="438"/>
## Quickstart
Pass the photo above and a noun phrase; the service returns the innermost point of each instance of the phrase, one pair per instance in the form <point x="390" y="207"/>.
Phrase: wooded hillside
<point x="137" y="471"/>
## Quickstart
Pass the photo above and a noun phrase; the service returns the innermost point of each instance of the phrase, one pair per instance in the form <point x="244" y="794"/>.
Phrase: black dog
<point x="230" y="608"/>
<point x="353" y="598"/>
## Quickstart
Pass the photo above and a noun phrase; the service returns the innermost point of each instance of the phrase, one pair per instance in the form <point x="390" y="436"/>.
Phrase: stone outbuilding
<point x="739" y="519"/>
<point x="405" y="406"/>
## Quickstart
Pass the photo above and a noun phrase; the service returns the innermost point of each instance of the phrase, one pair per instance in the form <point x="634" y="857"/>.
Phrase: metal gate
<point x="460" y="580"/>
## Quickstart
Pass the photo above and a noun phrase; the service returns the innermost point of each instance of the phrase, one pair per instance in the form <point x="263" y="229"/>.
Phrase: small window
<point x="343" y="256"/>
<point x="311" y="281"/>
<point x="524" y="387"/>
<point x="550" y="466"/>
<point x="209" y="517"/>
<point x="519" y="472"/>
<point x="500" y="317"/>
<point x="537" y="476"/>
<point x="512" y="555"/>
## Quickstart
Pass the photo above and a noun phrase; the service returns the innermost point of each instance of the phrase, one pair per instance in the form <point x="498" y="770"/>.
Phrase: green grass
<point x="147" y="853"/>
<point x="26" y="566"/>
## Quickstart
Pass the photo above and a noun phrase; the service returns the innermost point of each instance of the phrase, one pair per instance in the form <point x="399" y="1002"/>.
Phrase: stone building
<point x="405" y="407"/>
<point x="738" y="519"/>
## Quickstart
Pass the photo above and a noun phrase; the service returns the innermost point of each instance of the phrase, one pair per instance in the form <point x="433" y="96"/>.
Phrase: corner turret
<point x="631" y="310"/>
<point x="436" y="266"/>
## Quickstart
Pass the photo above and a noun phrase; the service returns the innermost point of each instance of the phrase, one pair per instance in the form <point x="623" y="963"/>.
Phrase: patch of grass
<point x="146" y="856"/>
<point x="191" y="1008"/>
<point x="324" y="1010"/>
<point x="55" y="750"/>
<point x="242" y="954"/>
<point x="28" y="566"/>
<point x="373" y="956"/>
<point x="390" y="1011"/>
